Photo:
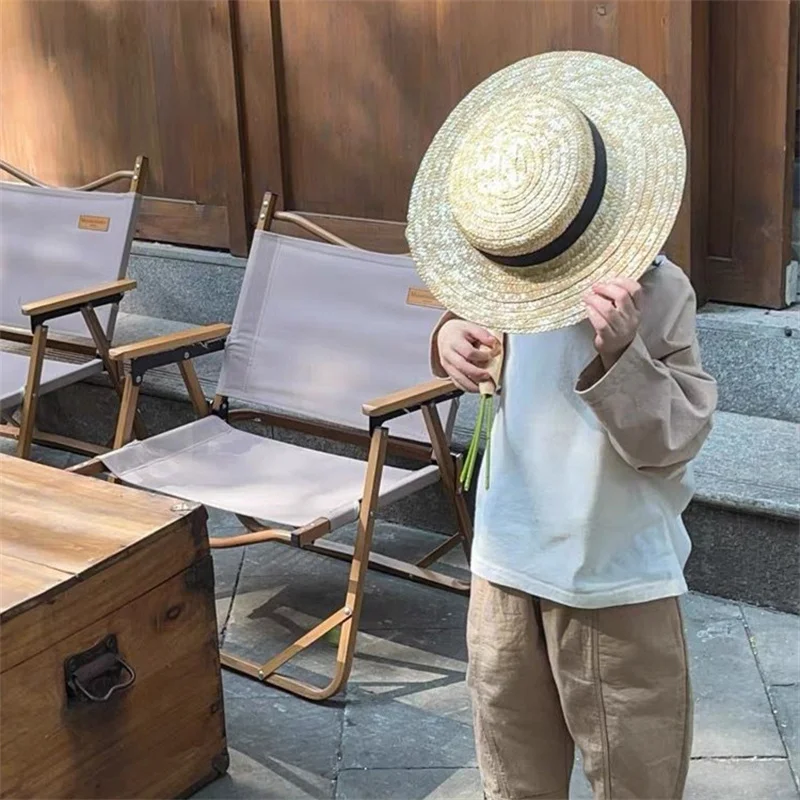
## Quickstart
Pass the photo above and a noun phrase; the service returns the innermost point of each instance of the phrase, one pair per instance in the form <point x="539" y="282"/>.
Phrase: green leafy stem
<point x="485" y="419"/>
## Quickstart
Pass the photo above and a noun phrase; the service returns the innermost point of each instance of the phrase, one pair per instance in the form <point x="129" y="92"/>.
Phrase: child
<point x="575" y="634"/>
<point x="540" y="208"/>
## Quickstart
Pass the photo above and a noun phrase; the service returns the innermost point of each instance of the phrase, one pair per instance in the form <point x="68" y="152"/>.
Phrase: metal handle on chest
<point x="97" y="673"/>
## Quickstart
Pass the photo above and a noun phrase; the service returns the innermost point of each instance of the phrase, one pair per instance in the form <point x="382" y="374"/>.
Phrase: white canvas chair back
<point x="54" y="241"/>
<point x="321" y="329"/>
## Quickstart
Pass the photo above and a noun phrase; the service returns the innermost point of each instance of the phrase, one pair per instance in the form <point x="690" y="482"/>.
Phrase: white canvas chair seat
<point x="55" y="374"/>
<point x="212" y="463"/>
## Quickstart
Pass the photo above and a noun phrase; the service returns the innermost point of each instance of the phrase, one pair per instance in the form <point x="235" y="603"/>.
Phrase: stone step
<point x="743" y="521"/>
<point x="754" y="354"/>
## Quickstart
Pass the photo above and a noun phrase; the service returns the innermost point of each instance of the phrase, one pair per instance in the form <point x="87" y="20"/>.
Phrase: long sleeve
<point x="656" y="403"/>
<point x="436" y="365"/>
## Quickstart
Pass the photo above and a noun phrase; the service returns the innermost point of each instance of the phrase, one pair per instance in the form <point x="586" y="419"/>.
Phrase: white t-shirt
<point x="565" y="518"/>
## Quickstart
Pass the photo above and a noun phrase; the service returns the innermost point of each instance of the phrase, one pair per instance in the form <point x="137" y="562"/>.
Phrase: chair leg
<point x="447" y="466"/>
<point x="30" y="401"/>
<point x="360" y="563"/>
<point x="193" y="387"/>
<point x="348" y="616"/>
<point x="127" y="413"/>
<point x="112" y="367"/>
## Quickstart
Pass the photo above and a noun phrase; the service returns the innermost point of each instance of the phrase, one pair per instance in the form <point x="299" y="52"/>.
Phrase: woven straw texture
<point x="509" y="170"/>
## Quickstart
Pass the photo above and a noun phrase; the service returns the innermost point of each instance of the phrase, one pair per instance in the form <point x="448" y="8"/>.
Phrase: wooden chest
<point x="109" y="663"/>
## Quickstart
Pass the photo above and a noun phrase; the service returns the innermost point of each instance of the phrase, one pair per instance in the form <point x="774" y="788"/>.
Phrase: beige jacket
<point x="589" y="468"/>
<point x="657" y="402"/>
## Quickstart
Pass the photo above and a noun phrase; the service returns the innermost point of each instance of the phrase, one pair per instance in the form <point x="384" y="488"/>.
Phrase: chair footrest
<point x="393" y="566"/>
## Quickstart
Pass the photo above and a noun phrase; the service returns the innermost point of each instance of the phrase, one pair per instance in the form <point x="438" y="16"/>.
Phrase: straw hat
<point x="557" y="172"/>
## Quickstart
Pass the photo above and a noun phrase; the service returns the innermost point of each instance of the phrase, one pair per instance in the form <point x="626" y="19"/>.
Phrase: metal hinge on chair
<point x="222" y="409"/>
<point x="143" y="364"/>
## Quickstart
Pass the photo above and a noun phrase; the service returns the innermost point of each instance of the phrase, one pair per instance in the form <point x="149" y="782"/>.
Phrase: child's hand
<point x="613" y="309"/>
<point x="459" y="346"/>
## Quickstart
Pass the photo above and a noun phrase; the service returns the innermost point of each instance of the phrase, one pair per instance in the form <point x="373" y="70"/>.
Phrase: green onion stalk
<point x="483" y="425"/>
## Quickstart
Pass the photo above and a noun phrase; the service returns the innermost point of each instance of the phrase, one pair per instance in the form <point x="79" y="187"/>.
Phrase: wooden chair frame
<point x="181" y="347"/>
<point x="41" y="312"/>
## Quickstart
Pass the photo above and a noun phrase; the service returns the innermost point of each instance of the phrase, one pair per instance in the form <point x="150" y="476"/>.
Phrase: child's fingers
<point x="632" y="287"/>
<point x="618" y="295"/>
<point x="604" y="309"/>
<point x="461" y="380"/>
<point x="479" y="357"/>
<point x="481" y="336"/>
<point x="599" y="322"/>
<point x="458" y="363"/>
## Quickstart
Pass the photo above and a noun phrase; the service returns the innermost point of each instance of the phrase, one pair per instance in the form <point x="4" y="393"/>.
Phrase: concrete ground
<point x="403" y="729"/>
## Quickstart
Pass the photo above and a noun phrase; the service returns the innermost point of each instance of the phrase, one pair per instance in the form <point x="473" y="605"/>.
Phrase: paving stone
<point x="282" y="747"/>
<point x="315" y="585"/>
<point x="248" y="779"/>
<point x="720" y="780"/>
<point x="732" y="713"/>
<point x="698" y="606"/>
<point x="395" y="735"/>
<point x="787" y="707"/>
<point x="422" y="669"/>
<point x="272" y="610"/>
<point x="776" y="639"/>
<point x="407" y="702"/>
<point x="227" y="564"/>
<point x="268" y="614"/>
<point x="723" y="779"/>
<point x="409" y="784"/>
<point x="740" y="780"/>
<point x="409" y="543"/>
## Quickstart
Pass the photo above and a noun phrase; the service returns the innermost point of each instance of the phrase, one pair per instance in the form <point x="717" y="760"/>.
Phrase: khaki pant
<point x="614" y="681"/>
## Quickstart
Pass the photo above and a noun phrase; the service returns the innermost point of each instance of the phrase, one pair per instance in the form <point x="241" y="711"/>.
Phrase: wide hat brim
<point x="646" y="173"/>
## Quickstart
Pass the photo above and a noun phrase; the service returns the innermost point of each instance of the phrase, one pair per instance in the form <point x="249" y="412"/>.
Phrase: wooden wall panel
<point x="332" y="103"/>
<point x="362" y="86"/>
<point x="753" y="52"/>
<point x="259" y="53"/>
<point x="88" y="84"/>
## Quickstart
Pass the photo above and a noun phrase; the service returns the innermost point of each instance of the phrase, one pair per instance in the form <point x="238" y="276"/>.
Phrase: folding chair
<point x="63" y="259"/>
<point x="318" y="329"/>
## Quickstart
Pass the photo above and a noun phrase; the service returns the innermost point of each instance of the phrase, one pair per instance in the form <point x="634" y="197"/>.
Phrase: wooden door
<point x="753" y="96"/>
<point x="89" y="84"/>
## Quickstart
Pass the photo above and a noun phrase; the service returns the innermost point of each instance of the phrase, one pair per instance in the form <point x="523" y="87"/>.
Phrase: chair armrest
<point x="172" y="341"/>
<point x="72" y="301"/>
<point x="437" y="391"/>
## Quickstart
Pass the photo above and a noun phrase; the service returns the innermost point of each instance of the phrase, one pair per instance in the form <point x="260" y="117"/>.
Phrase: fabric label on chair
<point x="422" y="297"/>
<point x="87" y="222"/>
